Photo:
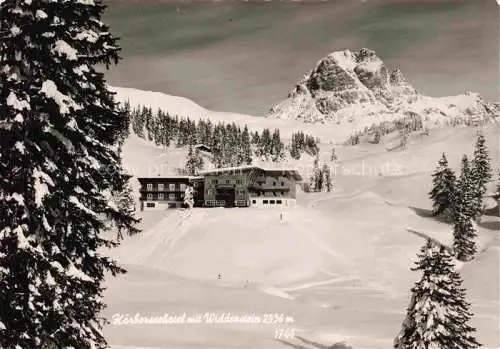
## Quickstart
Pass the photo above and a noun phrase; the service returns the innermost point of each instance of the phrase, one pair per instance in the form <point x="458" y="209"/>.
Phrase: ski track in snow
<point x="151" y="242"/>
<point x="317" y="283"/>
<point x="312" y="204"/>
<point x="164" y="235"/>
<point x="189" y="220"/>
<point x="156" y="244"/>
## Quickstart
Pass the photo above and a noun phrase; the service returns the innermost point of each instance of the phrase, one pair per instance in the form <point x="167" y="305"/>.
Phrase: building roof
<point x="202" y="147"/>
<point x="170" y="177"/>
<point x="291" y="171"/>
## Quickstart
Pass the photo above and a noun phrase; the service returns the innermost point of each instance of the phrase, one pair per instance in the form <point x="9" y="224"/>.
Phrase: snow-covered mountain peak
<point x="345" y="86"/>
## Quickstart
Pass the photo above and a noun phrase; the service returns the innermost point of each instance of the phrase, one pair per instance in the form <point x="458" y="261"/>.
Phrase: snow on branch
<point x="49" y="88"/>
<point x="41" y="14"/>
<point x="78" y="274"/>
<point x="64" y="49"/>
<point x="87" y="35"/>
<point x="86" y="2"/>
<point x="78" y="204"/>
<point x="64" y="140"/>
<point x="42" y="183"/>
<point x="17" y="104"/>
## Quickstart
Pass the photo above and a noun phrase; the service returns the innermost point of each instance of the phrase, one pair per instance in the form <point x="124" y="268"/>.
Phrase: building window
<point x="282" y="184"/>
<point x="271" y="202"/>
<point x="149" y="196"/>
<point x="149" y="186"/>
<point x="183" y="187"/>
<point x="265" y="201"/>
<point x="210" y="191"/>
<point x="214" y="181"/>
<point x="254" y="201"/>
<point x="160" y="196"/>
<point x="279" y="202"/>
<point x="150" y="204"/>
<point x="274" y="183"/>
<point x="171" y="187"/>
<point x="228" y="181"/>
<point x="238" y="181"/>
<point x="161" y="187"/>
<point x="171" y="197"/>
<point x="282" y="193"/>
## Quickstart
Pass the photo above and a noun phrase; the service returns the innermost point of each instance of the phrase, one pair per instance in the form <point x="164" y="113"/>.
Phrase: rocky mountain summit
<point x="357" y="87"/>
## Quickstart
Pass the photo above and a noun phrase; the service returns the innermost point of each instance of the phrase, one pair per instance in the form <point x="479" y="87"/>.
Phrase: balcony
<point x="165" y="199"/>
<point x="254" y="195"/>
<point x="164" y="190"/>
<point x="269" y="187"/>
<point x="224" y="185"/>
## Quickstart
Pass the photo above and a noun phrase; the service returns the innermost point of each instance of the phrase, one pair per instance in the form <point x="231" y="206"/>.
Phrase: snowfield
<point x="337" y="266"/>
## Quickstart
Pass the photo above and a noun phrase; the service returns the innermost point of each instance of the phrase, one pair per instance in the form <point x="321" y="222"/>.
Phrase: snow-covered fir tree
<point x="59" y="131"/>
<point x="463" y="212"/>
<point x="255" y="138"/>
<point x="438" y="314"/>
<point x="443" y="184"/>
<point x="377" y="137"/>
<point x="464" y="193"/>
<point x="316" y="178"/>
<point x="126" y="205"/>
<point x="497" y="194"/>
<point x="404" y="138"/>
<point x="218" y="149"/>
<point x="265" y="145"/>
<point x="294" y="148"/>
<point x="277" y="147"/>
<point x="464" y="235"/>
<point x="230" y="145"/>
<point x="246" y="147"/>
<point x="194" y="161"/>
<point x="326" y="182"/>
<point x="481" y="173"/>
<point x="189" y="197"/>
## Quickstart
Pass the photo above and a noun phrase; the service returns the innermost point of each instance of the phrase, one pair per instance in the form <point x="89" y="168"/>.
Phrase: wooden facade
<point x="165" y="192"/>
<point x="228" y="187"/>
<point x="250" y="186"/>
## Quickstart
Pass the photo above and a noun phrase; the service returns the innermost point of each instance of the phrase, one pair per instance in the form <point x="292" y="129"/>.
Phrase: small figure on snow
<point x="219" y="277"/>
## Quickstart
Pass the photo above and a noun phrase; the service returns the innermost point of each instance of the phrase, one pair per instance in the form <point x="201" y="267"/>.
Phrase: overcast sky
<point x="245" y="56"/>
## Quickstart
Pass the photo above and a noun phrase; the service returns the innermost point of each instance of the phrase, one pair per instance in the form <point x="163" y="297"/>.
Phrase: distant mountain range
<point x="346" y="86"/>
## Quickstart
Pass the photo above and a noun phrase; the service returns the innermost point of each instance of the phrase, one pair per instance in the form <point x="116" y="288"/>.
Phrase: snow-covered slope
<point x="338" y="263"/>
<point x="186" y="108"/>
<point x="357" y="88"/>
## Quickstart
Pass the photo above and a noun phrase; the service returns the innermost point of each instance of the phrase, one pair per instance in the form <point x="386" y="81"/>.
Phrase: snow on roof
<point x="171" y="177"/>
<point x="200" y="145"/>
<point x="294" y="172"/>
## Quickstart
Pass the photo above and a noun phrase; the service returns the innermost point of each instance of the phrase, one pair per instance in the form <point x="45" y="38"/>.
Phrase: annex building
<point x="244" y="186"/>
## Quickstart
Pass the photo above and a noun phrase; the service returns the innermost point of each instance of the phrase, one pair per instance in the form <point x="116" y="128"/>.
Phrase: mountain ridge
<point x="345" y="85"/>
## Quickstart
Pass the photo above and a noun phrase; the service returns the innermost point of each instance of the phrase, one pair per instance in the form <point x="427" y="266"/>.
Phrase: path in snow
<point x="158" y="258"/>
<point x="153" y="246"/>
